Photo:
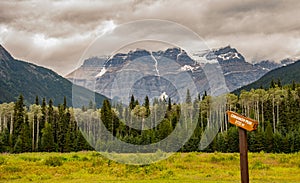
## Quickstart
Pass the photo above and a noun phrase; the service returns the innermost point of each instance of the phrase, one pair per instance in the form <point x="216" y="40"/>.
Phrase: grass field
<point x="180" y="167"/>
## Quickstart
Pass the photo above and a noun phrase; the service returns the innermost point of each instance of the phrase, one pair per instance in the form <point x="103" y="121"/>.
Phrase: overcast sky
<point x="55" y="33"/>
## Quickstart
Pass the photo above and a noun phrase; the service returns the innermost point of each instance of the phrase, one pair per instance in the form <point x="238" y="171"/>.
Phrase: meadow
<point x="180" y="167"/>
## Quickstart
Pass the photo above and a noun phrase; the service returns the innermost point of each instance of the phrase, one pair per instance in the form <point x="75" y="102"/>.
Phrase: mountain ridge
<point x="236" y="70"/>
<point x="286" y="74"/>
<point x="30" y="80"/>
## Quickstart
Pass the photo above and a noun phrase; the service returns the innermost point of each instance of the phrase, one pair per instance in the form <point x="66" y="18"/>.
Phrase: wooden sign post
<point x="245" y="124"/>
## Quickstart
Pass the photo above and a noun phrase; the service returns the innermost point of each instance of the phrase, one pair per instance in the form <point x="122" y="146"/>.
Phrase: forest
<point x="42" y="127"/>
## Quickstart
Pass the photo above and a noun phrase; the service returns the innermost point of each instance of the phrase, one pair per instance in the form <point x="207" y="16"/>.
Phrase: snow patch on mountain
<point x="228" y="56"/>
<point x="187" y="68"/>
<point x="203" y="57"/>
<point x="156" y="64"/>
<point x="163" y="96"/>
<point x="102" y="72"/>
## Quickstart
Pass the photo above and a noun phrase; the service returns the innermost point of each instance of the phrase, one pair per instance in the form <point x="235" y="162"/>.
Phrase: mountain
<point x="268" y="65"/>
<point x="19" y="77"/>
<point x="236" y="70"/>
<point x="85" y="75"/>
<point x="286" y="74"/>
<point x="105" y="76"/>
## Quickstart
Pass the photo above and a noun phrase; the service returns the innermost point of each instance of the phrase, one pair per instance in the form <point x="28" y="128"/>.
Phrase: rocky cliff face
<point x="170" y="72"/>
<point x="85" y="75"/>
<point x="236" y="70"/>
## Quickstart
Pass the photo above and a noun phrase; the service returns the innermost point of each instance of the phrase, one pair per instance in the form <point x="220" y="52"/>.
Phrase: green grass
<point x="180" y="168"/>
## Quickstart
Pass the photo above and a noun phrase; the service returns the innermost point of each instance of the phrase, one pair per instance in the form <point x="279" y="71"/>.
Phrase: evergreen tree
<point x="233" y="140"/>
<point x="50" y="114"/>
<point x="188" y="98"/>
<point x="293" y="85"/>
<point x="48" y="144"/>
<point x="92" y="105"/>
<point x="62" y="125"/>
<point x="4" y="141"/>
<point x="272" y="85"/>
<point x="132" y="102"/>
<point x="164" y="128"/>
<point x="37" y="100"/>
<point x="204" y="95"/>
<point x="136" y="102"/>
<point x="23" y="143"/>
<point x="277" y="142"/>
<point x="65" y="103"/>
<point x="42" y="121"/>
<point x="257" y="141"/>
<point x="169" y="104"/>
<point x="106" y="115"/>
<point x="147" y="106"/>
<point x="222" y="143"/>
<point x="81" y="142"/>
<point x="18" y="119"/>
<point x="269" y="138"/>
<point x="279" y="83"/>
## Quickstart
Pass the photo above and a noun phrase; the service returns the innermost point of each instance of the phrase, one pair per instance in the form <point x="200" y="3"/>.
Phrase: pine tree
<point x="42" y="121"/>
<point x="62" y="124"/>
<point x="136" y="102"/>
<point x="65" y="103"/>
<point x="269" y="138"/>
<point x="147" y="106"/>
<point x="91" y="105"/>
<point x="50" y="113"/>
<point x="277" y="142"/>
<point x="23" y="143"/>
<point x="132" y="104"/>
<point x="188" y="98"/>
<point x="164" y="128"/>
<point x="204" y="95"/>
<point x="293" y="85"/>
<point x="81" y="142"/>
<point x="48" y="144"/>
<point x="18" y="119"/>
<point x="272" y="85"/>
<point x="279" y="83"/>
<point x="106" y="115"/>
<point x="169" y="104"/>
<point x="37" y="100"/>
<point x="233" y="140"/>
<point x="4" y="141"/>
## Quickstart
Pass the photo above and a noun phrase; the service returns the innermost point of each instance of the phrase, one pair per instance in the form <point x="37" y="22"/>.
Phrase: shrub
<point x="54" y="161"/>
<point x="257" y="165"/>
<point x="12" y="169"/>
<point x="2" y="160"/>
<point x="30" y="159"/>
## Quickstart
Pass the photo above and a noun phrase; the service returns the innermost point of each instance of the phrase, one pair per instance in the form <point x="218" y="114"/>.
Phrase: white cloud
<point x="41" y="40"/>
<point x="55" y="33"/>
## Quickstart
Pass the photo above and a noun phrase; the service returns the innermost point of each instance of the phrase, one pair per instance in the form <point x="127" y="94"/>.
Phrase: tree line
<point x="44" y="127"/>
<point x="39" y="127"/>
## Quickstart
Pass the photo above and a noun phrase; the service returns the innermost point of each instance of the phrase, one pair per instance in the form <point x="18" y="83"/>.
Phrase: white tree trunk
<point x="262" y="115"/>
<point x="33" y="126"/>
<point x="273" y="112"/>
<point x="37" y="134"/>
<point x="277" y="113"/>
<point x="11" y="125"/>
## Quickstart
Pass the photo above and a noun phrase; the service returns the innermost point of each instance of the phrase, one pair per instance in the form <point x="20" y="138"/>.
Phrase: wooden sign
<point x="244" y="124"/>
<point x="242" y="121"/>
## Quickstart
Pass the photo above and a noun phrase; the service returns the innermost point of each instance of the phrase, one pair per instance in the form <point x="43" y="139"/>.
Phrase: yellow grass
<point x="83" y="167"/>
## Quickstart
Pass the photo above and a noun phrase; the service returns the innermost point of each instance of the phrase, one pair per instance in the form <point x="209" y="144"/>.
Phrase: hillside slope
<point x="19" y="77"/>
<point x="286" y="74"/>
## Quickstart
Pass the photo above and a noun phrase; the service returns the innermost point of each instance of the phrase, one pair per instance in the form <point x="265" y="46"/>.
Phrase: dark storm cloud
<point x="55" y="33"/>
